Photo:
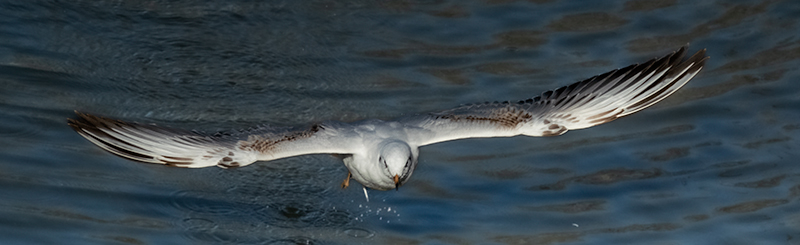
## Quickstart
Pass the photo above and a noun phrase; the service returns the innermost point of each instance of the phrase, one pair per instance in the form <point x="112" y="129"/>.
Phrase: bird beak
<point x="396" y="182"/>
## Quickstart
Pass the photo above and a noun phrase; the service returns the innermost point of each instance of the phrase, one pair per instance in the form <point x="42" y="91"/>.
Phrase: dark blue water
<point x="716" y="163"/>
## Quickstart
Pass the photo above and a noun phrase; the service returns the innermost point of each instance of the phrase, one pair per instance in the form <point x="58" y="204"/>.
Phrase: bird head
<point x="399" y="162"/>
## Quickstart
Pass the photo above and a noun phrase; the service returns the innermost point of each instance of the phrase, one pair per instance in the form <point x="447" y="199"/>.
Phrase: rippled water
<point x="713" y="164"/>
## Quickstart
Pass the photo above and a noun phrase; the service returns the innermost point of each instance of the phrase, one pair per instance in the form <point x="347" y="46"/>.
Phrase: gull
<point x="382" y="155"/>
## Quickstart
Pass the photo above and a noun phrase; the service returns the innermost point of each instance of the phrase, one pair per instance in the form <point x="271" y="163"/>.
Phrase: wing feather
<point x="600" y="99"/>
<point x="190" y="149"/>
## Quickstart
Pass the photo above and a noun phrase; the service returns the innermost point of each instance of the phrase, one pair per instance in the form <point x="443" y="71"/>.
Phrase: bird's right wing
<point x="190" y="149"/>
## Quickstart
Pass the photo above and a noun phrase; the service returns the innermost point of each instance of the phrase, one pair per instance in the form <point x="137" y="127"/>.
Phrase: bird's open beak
<point x="396" y="182"/>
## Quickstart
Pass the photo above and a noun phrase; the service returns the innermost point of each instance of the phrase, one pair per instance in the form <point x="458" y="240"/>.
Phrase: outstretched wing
<point x="594" y="101"/>
<point x="190" y="149"/>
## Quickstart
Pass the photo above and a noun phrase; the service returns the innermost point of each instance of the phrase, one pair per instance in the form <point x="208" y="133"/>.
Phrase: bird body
<point x="382" y="155"/>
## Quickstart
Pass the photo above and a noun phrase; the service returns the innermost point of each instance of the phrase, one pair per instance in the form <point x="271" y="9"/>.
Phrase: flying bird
<point x="382" y="155"/>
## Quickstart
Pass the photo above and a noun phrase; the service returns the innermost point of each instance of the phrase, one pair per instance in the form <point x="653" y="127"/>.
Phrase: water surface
<point x="716" y="163"/>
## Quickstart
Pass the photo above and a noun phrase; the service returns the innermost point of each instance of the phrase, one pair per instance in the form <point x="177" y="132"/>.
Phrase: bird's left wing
<point x="594" y="101"/>
<point x="191" y="149"/>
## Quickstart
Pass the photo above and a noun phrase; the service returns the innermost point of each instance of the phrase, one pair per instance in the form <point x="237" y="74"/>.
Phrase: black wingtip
<point x="86" y="121"/>
<point x="81" y="122"/>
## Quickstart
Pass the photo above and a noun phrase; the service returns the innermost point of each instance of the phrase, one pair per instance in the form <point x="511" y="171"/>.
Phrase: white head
<point x="399" y="161"/>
